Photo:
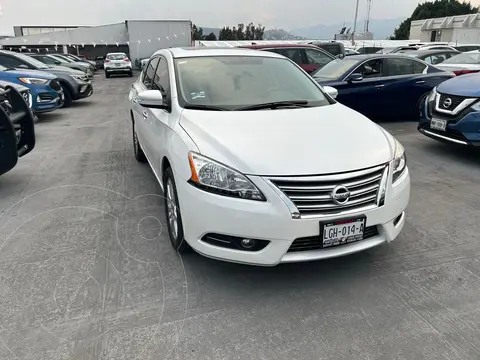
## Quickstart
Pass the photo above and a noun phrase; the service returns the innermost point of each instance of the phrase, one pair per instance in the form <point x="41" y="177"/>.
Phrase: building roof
<point x="358" y="43"/>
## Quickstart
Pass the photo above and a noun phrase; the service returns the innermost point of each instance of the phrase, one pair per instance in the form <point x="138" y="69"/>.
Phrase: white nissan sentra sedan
<point x="259" y="164"/>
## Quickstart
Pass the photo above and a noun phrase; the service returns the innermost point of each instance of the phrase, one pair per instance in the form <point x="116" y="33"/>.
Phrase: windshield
<point x="334" y="69"/>
<point x="465" y="58"/>
<point x="60" y="58"/>
<point x="34" y="62"/>
<point x="234" y="82"/>
<point x="116" y="56"/>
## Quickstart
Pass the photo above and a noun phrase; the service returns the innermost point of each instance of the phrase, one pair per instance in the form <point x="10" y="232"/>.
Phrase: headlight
<point x="476" y="106"/>
<point x="214" y="177"/>
<point x="432" y="94"/>
<point x="80" y="78"/>
<point x="399" y="161"/>
<point x="32" y="80"/>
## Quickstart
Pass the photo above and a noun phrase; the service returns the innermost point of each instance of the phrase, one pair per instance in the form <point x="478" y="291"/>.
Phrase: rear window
<point x="334" y="69"/>
<point x="116" y="56"/>
<point x="332" y="49"/>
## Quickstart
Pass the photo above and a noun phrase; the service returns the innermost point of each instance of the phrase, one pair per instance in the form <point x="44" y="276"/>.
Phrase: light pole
<point x="355" y="24"/>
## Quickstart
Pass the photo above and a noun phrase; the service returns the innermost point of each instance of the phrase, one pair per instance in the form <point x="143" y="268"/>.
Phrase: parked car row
<point x="52" y="86"/>
<point x="32" y="84"/>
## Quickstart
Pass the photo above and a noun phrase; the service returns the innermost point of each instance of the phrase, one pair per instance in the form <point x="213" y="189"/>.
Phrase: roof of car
<point x="419" y="53"/>
<point x="275" y="46"/>
<point x="214" y="51"/>
<point x="362" y="57"/>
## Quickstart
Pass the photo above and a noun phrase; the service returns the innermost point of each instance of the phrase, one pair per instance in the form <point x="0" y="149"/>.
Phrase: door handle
<point x="420" y="82"/>
<point x="379" y="86"/>
<point x="145" y="114"/>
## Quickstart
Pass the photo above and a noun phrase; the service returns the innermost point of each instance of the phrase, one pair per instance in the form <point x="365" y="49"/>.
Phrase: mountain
<point x="280" y="34"/>
<point x="381" y="29"/>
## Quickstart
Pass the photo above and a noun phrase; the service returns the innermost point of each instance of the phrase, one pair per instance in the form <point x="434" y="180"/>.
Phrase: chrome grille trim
<point x="310" y="196"/>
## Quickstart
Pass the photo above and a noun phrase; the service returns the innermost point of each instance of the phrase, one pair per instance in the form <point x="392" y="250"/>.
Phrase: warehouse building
<point x="462" y="29"/>
<point x="138" y="38"/>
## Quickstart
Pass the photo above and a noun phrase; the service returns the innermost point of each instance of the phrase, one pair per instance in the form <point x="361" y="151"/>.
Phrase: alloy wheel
<point x="172" y="209"/>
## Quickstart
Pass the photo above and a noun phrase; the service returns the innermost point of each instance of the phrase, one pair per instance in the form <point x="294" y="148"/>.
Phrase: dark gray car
<point x="58" y="60"/>
<point x="76" y="85"/>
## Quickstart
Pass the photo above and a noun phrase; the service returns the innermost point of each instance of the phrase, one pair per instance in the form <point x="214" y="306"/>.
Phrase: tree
<point x="210" y="37"/>
<point x="197" y="33"/>
<point x="429" y="10"/>
<point x="242" y="32"/>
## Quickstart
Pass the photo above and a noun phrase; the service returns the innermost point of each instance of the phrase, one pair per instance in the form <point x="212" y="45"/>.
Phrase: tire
<point x="107" y="75"/>
<point x="68" y="96"/>
<point x="420" y="102"/>
<point x="130" y="74"/>
<point x="175" y="233"/>
<point x="137" y="150"/>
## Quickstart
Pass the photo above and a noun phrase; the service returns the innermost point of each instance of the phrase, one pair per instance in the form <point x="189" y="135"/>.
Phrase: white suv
<point x="117" y="63"/>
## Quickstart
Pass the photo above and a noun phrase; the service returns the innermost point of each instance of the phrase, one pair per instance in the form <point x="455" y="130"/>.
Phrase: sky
<point x="286" y="14"/>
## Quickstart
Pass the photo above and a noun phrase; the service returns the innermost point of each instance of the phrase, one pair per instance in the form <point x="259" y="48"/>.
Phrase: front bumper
<point x="84" y="90"/>
<point x="205" y="213"/>
<point x="43" y="102"/>
<point x="463" y="129"/>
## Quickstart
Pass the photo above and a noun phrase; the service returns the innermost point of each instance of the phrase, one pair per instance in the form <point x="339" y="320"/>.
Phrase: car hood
<point x="27" y="73"/>
<point x="309" y="141"/>
<point x="18" y="87"/>
<point x="64" y="70"/>
<point x="463" y="85"/>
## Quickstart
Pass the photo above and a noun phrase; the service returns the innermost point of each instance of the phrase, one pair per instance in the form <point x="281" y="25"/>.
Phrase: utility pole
<point x="355" y="24"/>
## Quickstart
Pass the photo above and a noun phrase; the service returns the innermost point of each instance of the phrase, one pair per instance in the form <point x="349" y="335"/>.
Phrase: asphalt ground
<point x="87" y="271"/>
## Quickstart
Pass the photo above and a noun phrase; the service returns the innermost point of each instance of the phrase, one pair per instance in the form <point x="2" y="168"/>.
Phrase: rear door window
<point x="297" y="55"/>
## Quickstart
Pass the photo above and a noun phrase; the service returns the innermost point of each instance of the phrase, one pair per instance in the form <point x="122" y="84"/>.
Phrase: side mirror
<point x="355" y="77"/>
<point x="22" y="66"/>
<point x="152" y="99"/>
<point x="57" y="62"/>
<point x="331" y="91"/>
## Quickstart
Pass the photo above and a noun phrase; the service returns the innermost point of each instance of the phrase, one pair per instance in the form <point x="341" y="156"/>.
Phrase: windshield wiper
<point x="275" y="105"/>
<point x="204" y="107"/>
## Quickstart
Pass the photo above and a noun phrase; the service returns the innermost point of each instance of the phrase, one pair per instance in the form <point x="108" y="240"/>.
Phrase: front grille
<point x="55" y="85"/>
<point x="312" y="195"/>
<point x="46" y="97"/>
<point x="455" y="101"/>
<point x="316" y="242"/>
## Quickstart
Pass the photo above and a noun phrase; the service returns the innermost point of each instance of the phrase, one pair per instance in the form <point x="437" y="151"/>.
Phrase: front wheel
<point x="68" y="97"/>
<point x="173" y="213"/>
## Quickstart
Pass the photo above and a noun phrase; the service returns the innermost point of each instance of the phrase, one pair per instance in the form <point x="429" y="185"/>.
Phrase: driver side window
<point x="371" y="69"/>
<point x="149" y="75"/>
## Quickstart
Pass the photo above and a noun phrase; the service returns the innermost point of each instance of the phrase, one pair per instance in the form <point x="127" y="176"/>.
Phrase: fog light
<point x="247" y="243"/>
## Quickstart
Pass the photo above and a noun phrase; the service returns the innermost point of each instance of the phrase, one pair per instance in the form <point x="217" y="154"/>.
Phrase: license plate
<point x="118" y="65"/>
<point x="438" y="124"/>
<point x="340" y="232"/>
